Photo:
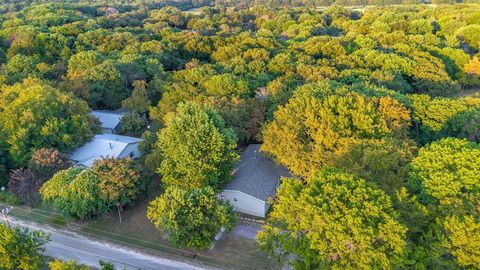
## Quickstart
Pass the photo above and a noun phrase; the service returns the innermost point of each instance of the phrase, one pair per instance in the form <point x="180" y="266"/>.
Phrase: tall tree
<point x="21" y="248"/>
<point x="34" y="115"/>
<point x="198" y="150"/>
<point x="191" y="218"/>
<point x="75" y="192"/>
<point x="334" y="221"/>
<point x="119" y="181"/>
<point x="138" y="102"/>
<point x="315" y="123"/>
<point x="446" y="177"/>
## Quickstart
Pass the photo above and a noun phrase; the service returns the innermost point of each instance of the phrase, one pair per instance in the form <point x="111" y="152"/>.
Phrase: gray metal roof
<point x="256" y="174"/>
<point x="108" y="119"/>
<point x="102" y="145"/>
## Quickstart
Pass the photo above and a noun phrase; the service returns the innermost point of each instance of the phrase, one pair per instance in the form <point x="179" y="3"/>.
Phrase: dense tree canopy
<point x="314" y="125"/>
<point x="336" y="221"/>
<point x="197" y="149"/>
<point x="447" y="178"/>
<point x="191" y="218"/>
<point x="75" y="192"/>
<point x="21" y="248"/>
<point x="323" y="84"/>
<point x="34" y="115"/>
<point x="448" y="170"/>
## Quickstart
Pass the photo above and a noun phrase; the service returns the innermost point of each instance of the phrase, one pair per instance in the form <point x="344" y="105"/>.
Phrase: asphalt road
<point x="86" y="251"/>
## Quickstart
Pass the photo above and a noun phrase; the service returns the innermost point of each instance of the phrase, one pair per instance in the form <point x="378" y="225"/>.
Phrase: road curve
<point x="69" y="246"/>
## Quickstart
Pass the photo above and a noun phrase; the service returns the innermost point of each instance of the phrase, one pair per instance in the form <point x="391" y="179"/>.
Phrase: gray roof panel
<point x="256" y="174"/>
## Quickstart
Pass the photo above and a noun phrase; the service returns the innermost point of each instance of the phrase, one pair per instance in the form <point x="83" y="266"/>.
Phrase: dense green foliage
<point x="75" y="192"/>
<point x="315" y="124"/>
<point x="370" y="91"/>
<point x="191" y="218"/>
<point x="34" y="115"/>
<point x="448" y="171"/>
<point x="339" y="222"/>
<point x="446" y="177"/>
<point x="83" y="193"/>
<point x="20" y="248"/>
<point x="198" y="150"/>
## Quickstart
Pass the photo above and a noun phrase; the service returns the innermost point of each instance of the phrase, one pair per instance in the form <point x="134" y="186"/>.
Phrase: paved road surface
<point x="86" y="251"/>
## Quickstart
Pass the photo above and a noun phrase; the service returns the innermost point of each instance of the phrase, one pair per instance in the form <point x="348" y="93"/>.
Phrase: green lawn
<point x="230" y="252"/>
<point x="40" y="215"/>
<point x="136" y="231"/>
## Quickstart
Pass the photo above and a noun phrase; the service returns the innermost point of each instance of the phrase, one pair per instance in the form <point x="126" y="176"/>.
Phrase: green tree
<point x="34" y="115"/>
<point x="446" y="177"/>
<point x="138" y="102"/>
<point x="21" y="248"/>
<point x="191" y="218"/>
<point x="307" y="131"/>
<point x="245" y="116"/>
<point x="81" y="62"/>
<point x="75" y="192"/>
<point x="447" y="171"/>
<point x="105" y="83"/>
<point x="198" y="150"/>
<point x="381" y="161"/>
<point x="470" y="34"/>
<point x="20" y="67"/>
<point x="462" y="239"/>
<point x="133" y="123"/>
<point x="435" y="118"/>
<point x="106" y="265"/>
<point x="334" y="221"/>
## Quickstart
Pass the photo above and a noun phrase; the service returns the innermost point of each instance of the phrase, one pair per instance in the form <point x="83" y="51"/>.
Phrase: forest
<point x="375" y="111"/>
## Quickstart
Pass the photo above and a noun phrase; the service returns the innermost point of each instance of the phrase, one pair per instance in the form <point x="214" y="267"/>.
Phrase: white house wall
<point x="245" y="203"/>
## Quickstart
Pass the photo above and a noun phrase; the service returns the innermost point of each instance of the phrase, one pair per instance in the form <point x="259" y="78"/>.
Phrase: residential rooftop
<point x="256" y="175"/>
<point x="102" y="145"/>
<point x="108" y="119"/>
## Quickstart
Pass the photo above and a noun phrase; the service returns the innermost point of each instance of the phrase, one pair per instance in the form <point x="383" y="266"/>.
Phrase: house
<point x="110" y="120"/>
<point x="255" y="179"/>
<point x="106" y="145"/>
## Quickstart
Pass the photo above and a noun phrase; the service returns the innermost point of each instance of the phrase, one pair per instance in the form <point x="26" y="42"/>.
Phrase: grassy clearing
<point x="230" y="252"/>
<point x="40" y="215"/>
<point x="136" y="231"/>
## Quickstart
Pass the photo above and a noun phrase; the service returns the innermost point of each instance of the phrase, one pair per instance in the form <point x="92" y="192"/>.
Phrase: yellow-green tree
<point x="446" y="175"/>
<point x="66" y="265"/>
<point x="75" y="192"/>
<point x="310" y="128"/>
<point x="21" y="248"/>
<point x="334" y="221"/>
<point x="35" y="115"/>
<point x="380" y="161"/>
